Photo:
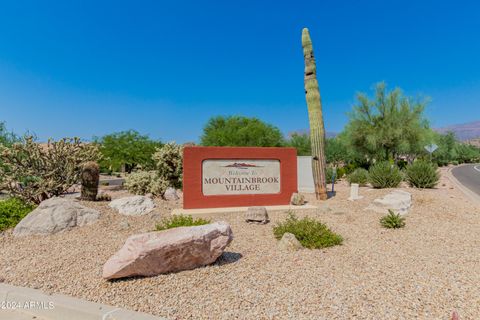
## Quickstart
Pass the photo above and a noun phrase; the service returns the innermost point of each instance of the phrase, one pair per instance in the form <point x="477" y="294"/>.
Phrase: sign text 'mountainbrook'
<point x="243" y="183"/>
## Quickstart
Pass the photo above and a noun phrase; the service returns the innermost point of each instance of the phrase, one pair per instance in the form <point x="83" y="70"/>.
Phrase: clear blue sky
<point x="85" y="68"/>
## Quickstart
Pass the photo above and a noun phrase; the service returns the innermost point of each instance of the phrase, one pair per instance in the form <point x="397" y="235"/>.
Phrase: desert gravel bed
<point x="423" y="271"/>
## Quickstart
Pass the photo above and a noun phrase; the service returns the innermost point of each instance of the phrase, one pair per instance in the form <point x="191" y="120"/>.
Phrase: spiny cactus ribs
<point x="90" y="177"/>
<point x="317" y="130"/>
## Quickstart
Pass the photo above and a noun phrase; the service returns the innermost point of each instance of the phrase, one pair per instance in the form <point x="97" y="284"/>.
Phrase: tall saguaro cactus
<point x="317" y="130"/>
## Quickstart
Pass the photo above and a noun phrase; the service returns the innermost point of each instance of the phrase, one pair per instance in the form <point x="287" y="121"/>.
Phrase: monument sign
<point x="238" y="176"/>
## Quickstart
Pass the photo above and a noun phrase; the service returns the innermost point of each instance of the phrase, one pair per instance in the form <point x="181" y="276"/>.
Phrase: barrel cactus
<point x="89" y="178"/>
<point x="317" y="130"/>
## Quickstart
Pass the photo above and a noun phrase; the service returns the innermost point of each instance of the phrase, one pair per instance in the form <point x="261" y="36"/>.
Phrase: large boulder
<point x="257" y="215"/>
<point x="133" y="206"/>
<point x="398" y="201"/>
<point x="55" y="215"/>
<point x="176" y="249"/>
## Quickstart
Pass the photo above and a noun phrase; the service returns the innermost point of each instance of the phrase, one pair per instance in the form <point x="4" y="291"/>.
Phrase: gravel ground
<point x="423" y="271"/>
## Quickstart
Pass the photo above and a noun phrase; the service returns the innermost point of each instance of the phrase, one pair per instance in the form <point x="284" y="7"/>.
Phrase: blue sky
<point x="87" y="68"/>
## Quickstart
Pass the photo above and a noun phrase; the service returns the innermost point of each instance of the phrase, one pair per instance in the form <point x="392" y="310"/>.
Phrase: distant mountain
<point x="463" y="132"/>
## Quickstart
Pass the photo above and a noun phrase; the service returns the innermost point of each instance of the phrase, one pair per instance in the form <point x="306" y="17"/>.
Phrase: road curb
<point x="470" y="194"/>
<point x="26" y="301"/>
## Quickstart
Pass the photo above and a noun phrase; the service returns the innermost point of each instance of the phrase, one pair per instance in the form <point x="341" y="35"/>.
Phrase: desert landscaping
<point x="424" y="270"/>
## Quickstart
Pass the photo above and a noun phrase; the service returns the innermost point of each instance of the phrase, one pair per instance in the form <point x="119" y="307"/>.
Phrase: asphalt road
<point x="469" y="176"/>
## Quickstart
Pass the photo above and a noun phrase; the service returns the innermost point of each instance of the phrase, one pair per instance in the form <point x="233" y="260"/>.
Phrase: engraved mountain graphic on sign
<point x="242" y="165"/>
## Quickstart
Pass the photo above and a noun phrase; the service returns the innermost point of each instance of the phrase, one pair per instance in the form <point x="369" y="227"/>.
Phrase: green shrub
<point x="384" y="175"/>
<point x="392" y="220"/>
<point x="12" y="211"/>
<point x="330" y="175"/>
<point x="359" y="176"/>
<point x="311" y="233"/>
<point x="180" y="221"/>
<point x="341" y="172"/>
<point x="422" y="174"/>
<point x="143" y="182"/>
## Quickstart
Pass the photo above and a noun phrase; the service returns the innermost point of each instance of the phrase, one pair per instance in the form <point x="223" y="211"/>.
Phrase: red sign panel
<point x="215" y="177"/>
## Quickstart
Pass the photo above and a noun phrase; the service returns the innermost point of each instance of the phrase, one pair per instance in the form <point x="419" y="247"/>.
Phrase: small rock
<point x="133" y="206"/>
<point x="55" y="215"/>
<point x="171" y="194"/>
<point x="289" y="242"/>
<point x="124" y="225"/>
<point x="257" y="215"/>
<point x="297" y="199"/>
<point x="176" y="249"/>
<point x="149" y="195"/>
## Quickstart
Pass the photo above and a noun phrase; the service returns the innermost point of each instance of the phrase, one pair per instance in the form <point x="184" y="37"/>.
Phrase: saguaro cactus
<point x="90" y="177"/>
<point x="317" y="130"/>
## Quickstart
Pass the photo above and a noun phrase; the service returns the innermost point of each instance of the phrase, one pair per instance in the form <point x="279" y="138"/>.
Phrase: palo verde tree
<point x="389" y="126"/>
<point x="126" y="150"/>
<point x="317" y="130"/>
<point x="238" y="131"/>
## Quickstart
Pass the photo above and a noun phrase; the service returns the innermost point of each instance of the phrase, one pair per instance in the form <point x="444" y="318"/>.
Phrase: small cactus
<point x="89" y="178"/>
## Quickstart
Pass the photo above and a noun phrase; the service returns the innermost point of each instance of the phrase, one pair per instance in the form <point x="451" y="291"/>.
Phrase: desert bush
<point x="359" y="176"/>
<point x="12" y="211"/>
<point x="143" y="182"/>
<point x="384" y="175"/>
<point x="35" y="172"/>
<point x="392" y="220"/>
<point x="180" y="221"/>
<point x="311" y="233"/>
<point x="169" y="163"/>
<point x="422" y="174"/>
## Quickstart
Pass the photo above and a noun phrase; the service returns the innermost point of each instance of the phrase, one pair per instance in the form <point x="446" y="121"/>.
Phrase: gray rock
<point x="133" y="206"/>
<point x="297" y="199"/>
<point x="398" y="201"/>
<point x="257" y="215"/>
<point x="55" y="215"/>
<point x="175" y="249"/>
<point x="171" y="194"/>
<point x="124" y="225"/>
<point x="289" y="242"/>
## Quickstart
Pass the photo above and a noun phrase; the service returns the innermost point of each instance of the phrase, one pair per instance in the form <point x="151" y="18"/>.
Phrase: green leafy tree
<point x="7" y="138"/>
<point x="238" y="131"/>
<point x="301" y="142"/>
<point x="126" y="150"/>
<point x="388" y="126"/>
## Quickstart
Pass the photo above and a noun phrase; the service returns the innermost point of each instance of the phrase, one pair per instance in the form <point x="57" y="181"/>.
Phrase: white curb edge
<point x="467" y="192"/>
<point x="34" y="302"/>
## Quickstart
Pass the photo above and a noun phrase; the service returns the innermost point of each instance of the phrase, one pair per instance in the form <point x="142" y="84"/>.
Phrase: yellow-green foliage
<point x="422" y="174"/>
<point x="384" y="175"/>
<point x="35" y="172"/>
<point x="180" y="221"/>
<point x="12" y="211"/>
<point x="311" y="233"/>
<point x="392" y="220"/>
<point x="169" y="163"/>
<point x="143" y="182"/>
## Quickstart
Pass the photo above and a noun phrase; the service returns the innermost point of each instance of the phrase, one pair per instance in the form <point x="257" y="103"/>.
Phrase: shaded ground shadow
<point x="228" y="257"/>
